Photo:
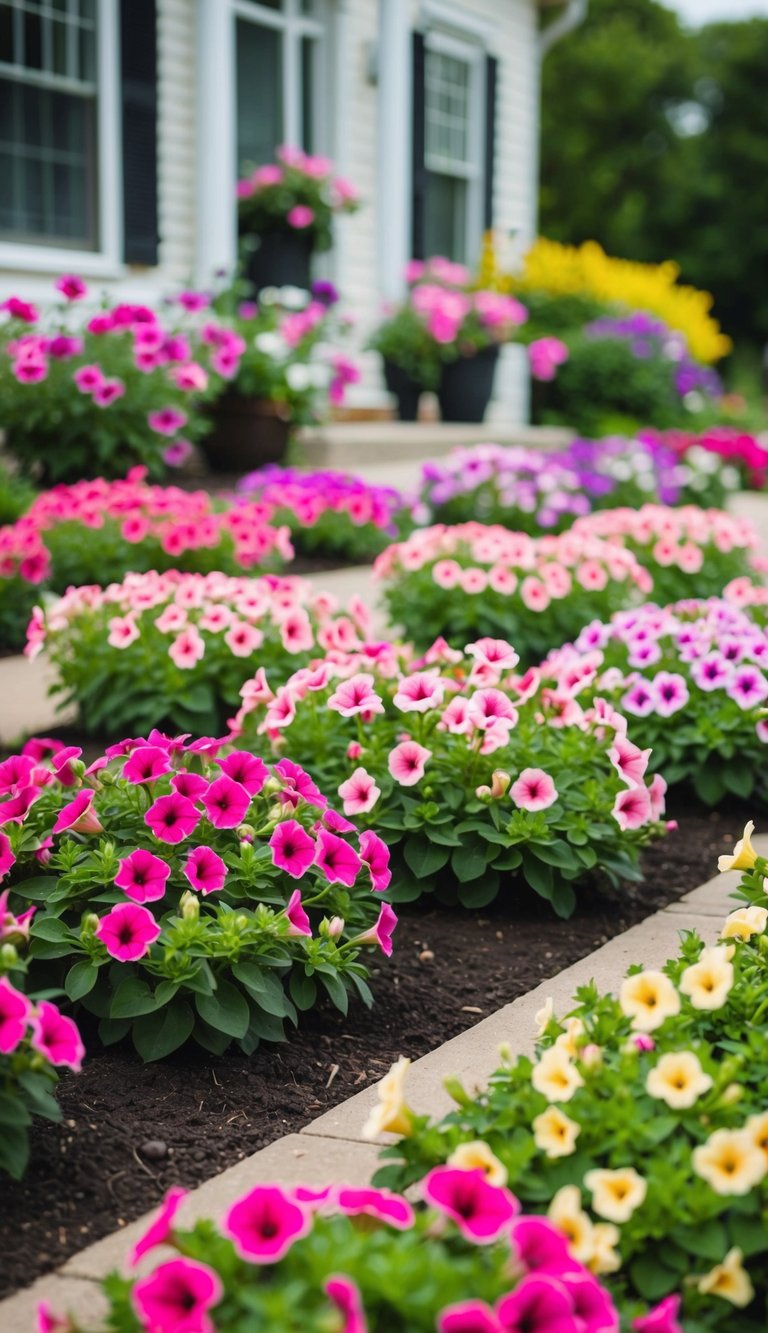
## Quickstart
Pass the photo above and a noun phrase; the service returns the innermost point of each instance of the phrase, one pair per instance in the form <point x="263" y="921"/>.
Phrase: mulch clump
<point x="130" y="1130"/>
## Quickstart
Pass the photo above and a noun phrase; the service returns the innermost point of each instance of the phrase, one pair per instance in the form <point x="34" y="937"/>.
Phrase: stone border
<point x="331" y="1148"/>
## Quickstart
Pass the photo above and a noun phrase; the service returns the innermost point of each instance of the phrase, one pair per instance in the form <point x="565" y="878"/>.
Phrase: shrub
<point x="362" y="1260"/>
<point x="688" y="552"/>
<point x="328" y="513"/>
<point x="173" y="649"/>
<point x="692" y="679"/>
<point x="471" y="580"/>
<point x="478" y="779"/>
<point x="639" y="1127"/>
<point x="260" y="895"/>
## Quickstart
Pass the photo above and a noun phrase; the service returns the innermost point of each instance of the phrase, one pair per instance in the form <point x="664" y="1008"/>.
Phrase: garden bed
<point x="201" y="1115"/>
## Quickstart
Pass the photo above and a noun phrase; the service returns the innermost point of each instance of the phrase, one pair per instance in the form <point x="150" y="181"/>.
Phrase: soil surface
<point x="130" y="1130"/>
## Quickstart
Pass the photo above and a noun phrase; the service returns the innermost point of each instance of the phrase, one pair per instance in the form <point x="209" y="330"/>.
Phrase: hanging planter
<point x="466" y="385"/>
<point x="247" y="433"/>
<point x="406" y="390"/>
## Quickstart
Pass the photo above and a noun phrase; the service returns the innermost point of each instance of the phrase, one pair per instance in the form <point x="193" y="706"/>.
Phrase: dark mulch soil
<point x="129" y="1131"/>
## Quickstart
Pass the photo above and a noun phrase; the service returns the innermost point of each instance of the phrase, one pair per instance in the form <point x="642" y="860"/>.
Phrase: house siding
<point x="177" y="137"/>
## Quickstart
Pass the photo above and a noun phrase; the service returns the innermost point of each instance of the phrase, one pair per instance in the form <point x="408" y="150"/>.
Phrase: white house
<point x="123" y="124"/>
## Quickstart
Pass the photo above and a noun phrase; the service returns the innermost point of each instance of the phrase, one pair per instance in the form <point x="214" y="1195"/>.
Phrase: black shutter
<point x="419" y="185"/>
<point x="491" y="81"/>
<point x="138" y="81"/>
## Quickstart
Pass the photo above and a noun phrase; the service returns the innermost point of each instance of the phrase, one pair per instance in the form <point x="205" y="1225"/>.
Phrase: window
<point x="454" y="147"/>
<point x="280" y="55"/>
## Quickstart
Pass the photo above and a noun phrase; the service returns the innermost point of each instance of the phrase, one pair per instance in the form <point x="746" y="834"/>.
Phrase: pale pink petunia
<point x="359" y="793"/>
<point x="632" y="808"/>
<point x="406" y="762"/>
<point x="187" y="649"/>
<point x="629" y="761"/>
<point x="533" y="790"/>
<point x="355" y="696"/>
<point x="375" y="854"/>
<point x="419" y="692"/>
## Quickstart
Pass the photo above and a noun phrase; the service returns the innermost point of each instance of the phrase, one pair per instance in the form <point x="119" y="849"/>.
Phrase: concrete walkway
<point x="331" y="1148"/>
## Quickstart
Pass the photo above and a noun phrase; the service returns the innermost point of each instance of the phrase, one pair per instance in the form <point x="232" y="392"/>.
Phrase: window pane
<point x="447" y="109"/>
<point x="308" y="56"/>
<point x="6" y="33"/>
<point x="48" y="146"/>
<point x="259" y="93"/>
<point x="445" y="217"/>
<point x="33" y="48"/>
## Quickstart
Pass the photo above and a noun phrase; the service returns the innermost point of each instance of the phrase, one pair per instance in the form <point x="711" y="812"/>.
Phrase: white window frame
<point x="106" y="261"/>
<point x="471" y="50"/>
<point x="294" y="26"/>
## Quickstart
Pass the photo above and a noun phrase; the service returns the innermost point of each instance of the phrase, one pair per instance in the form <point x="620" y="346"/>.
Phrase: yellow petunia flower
<point x="566" y="1213"/>
<point x="554" y="1133"/>
<point x="757" y="1129"/>
<point x="730" y="1161"/>
<point x="478" y="1156"/>
<point x="678" y="1079"/>
<point x="543" y="1016"/>
<point x="708" y="982"/>
<point x="729" y="1280"/>
<point x="568" y="1041"/>
<point x="744" y="923"/>
<point x="605" y="1257"/>
<point x="391" y="1115"/>
<point x="555" y="1076"/>
<point x="744" y="854"/>
<point x="648" y="998"/>
<point x="616" y="1194"/>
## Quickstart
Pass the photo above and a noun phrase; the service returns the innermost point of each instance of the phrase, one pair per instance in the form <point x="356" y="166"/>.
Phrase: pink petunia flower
<point x="629" y="761"/>
<point x="671" y="693"/>
<point x="640" y="700"/>
<point x="419" y="693"/>
<point x="657" y="792"/>
<point x="172" y="818"/>
<point x="293" y="850"/>
<point x="187" y="649"/>
<point x="481" y="1211"/>
<point x="359" y="793"/>
<point x="7" y="858"/>
<point x="468" y="1317"/>
<point x="375" y="854"/>
<point x="158" y="1231"/>
<point x="540" y="1246"/>
<point x="226" y="802"/>
<point x="632" y="808"/>
<point x="106" y="393"/>
<point x="593" y="1309"/>
<point x="15" y="1011"/>
<point x="89" y="378"/>
<point x="127" y="931"/>
<point x="143" y="876"/>
<point x="146" y="763"/>
<point x="385" y="1206"/>
<point x="191" y="785"/>
<point x="70" y="286"/>
<point x="300" y="216"/>
<point x="661" y="1319"/>
<point x="296" y="779"/>
<point x="381" y="933"/>
<point x="78" y="816"/>
<point x="167" y="420"/>
<point x="205" y="870"/>
<point x="265" y="1224"/>
<point x="298" y="921"/>
<point x="406" y="762"/>
<point x="177" y="1296"/>
<point x="56" y="1037"/>
<point x="345" y="1295"/>
<point x="495" y="653"/>
<point x="246" y="769"/>
<point x="539" y="1304"/>
<point x="338" y="861"/>
<point x="356" y="695"/>
<point x="534" y="790"/>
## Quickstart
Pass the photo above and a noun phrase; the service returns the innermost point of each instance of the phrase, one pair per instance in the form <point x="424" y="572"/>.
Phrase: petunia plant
<point x="478" y="779"/>
<point x="639" y="1127"/>
<point x="470" y="580"/>
<point x="174" y="649"/>
<point x="693" y="680"/>
<point x="183" y="894"/>
<point x="462" y="1259"/>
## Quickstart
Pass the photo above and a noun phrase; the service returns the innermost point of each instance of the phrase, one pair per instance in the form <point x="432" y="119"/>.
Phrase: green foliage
<point x="604" y="388"/>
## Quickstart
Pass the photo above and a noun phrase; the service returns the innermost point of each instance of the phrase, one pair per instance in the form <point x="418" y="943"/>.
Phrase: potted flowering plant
<point x="286" y="210"/>
<point x="446" y="336"/>
<point x="94" y="397"/>
<point x="281" y="367"/>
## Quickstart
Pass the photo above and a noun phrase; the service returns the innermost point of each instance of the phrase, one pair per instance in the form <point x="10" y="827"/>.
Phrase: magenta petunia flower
<point x="468" y="1317"/>
<point x="146" y="763"/>
<point x="711" y="672"/>
<point x="13" y="810"/>
<point x="632" y="808"/>
<point x="14" y="928"/>
<point x="336" y="823"/>
<point x="191" y="785"/>
<point x="539" y="1304"/>
<point x="534" y="790"/>
<point x="265" y="1223"/>
<point x="226" y="802"/>
<point x="167" y="421"/>
<point x="15" y="1011"/>
<point x="7" y="858"/>
<point x="159" y="1230"/>
<point x="245" y="768"/>
<point x="70" y="286"/>
<point x="293" y="850"/>
<point x="108" y="392"/>
<point x="381" y="933"/>
<point x="629" y="761"/>
<point x="338" y="861"/>
<point x="78" y="816"/>
<point x="127" y="931"/>
<point x="406" y="762"/>
<point x="16" y="772"/>
<point x="143" y="876"/>
<point x="298" y="921"/>
<point x="593" y="1309"/>
<point x="56" y="1037"/>
<point x="747" y="687"/>
<point x="172" y="818"/>
<point x="375" y="854"/>
<point x="359" y="793"/>
<point x="661" y="1319"/>
<point x="541" y="1248"/>
<point x="296" y="779"/>
<point x="300" y="216"/>
<point x="481" y="1211"/>
<point x="205" y="870"/>
<point x="177" y="1296"/>
<point x="381" y="1204"/>
<point x="89" y="378"/>
<point x="640" y="700"/>
<point x="345" y="1295"/>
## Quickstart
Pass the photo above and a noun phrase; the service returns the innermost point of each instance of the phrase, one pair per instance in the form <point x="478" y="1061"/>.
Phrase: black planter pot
<point x="280" y="259"/>
<point x="247" y="434"/>
<point x="466" y="386"/>
<point x="406" y="390"/>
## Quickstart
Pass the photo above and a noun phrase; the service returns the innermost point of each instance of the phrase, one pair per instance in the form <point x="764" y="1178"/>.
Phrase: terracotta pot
<point x="280" y="259"/>
<point x="247" y="433"/>
<point x="466" y="386"/>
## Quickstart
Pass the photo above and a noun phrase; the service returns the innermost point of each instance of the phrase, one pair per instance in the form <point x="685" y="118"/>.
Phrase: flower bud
<point x="732" y="1094"/>
<point x="591" y="1055"/>
<point x="271" y="787"/>
<point x="642" y="1042"/>
<point x="190" y="906"/>
<point x="8" y="957"/>
<point x="334" y="927"/>
<point x="483" y="793"/>
<point x="505" y="1053"/>
<point x="242" y="922"/>
<point x="245" y="832"/>
<point x="455" y="1089"/>
<point x="89" y="924"/>
<point x="500" y="781"/>
<point x="354" y="750"/>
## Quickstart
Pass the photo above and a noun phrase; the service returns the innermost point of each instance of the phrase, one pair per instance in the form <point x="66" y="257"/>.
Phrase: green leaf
<point x="468" y="862"/>
<point x="335" y="988"/>
<point x="52" y="929"/>
<point x="211" y="1039"/>
<point x="265" y="988"/>
<point x="480" y="892"/>
<point x="303" y="989"/>
<point x="749" y="1233"/>
<point x="157" y="1035"/>
<point x="651" y="1278"/>
<point x="36" y="888"/>
<point x="132" y="998"/>
<point x="424" y="857"/>
<point x="708" y="785"/>
<point x="13" y="1111"/>
<point x="226" y="1010"/>
<point x="539" y="876"/>
<point x="113" y="1029"/>
<point x="707" y="1240"/>
<point x="81" y="979"/>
